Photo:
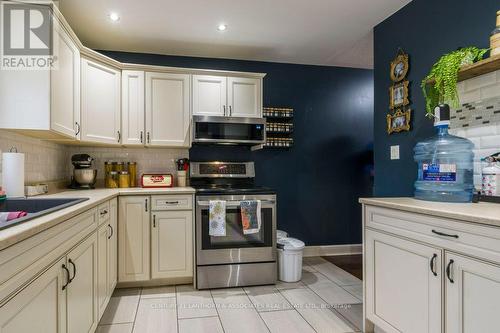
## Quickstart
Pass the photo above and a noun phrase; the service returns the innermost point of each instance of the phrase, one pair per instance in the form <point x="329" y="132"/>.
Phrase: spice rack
<point x="279" y="127"/>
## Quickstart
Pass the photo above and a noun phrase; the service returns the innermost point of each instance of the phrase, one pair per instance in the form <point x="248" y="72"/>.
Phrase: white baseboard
<point x="332" y="250"/>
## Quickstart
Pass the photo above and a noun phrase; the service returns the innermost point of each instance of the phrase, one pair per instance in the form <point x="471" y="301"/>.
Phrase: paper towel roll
<point x="13" y="174"/>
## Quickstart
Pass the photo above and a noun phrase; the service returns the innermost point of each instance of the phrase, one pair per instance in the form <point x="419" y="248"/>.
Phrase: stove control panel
<point x="222" y="169"/>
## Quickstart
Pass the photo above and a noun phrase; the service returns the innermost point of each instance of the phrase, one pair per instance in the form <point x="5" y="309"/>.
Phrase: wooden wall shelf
<point x="484" y="66"/>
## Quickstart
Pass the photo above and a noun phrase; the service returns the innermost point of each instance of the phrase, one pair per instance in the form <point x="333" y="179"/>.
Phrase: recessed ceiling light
<point x="222" y="27"/>
<point x="114" y="17"/>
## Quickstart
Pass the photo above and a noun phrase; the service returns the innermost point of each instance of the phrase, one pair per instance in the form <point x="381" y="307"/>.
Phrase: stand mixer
<point x="84" y="177"/>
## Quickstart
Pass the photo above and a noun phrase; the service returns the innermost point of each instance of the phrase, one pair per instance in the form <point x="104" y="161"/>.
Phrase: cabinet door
<point x="113" y="247"/>
<point x="39" y="307"/>
<point x="167" y="109"/>
<point x="244" y="97"/>
<point x="133" y="239"/>
<point x="102" y="267"/>
<point x="472" y="295"/>
<point x="209" y="95"/>
<point x="172" y="244"/>
<point x="402" y="292"/>
<point x="133" y="108"/>
<point x="65" y="86"/>
<point x="82" y="311"/>
<point x="100" y="103"/>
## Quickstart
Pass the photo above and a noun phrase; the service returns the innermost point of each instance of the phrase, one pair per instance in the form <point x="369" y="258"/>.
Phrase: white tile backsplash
<point x="148" y="159"/>
<point x="478" y="118"/>
<point x="46" y="161"/>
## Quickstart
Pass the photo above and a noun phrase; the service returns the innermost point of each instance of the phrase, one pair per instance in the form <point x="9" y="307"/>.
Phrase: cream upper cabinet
<point x="172" y="244"/>
<point x="209" y="95"/>
<point x="133" y="115"/>
<point x="244" y="98"/>
<point x="227" y="96"/>
<point x="81" y="292"/>
<point x="40" y="306"/>
<point x="65" y="87"/>
<point x="472" y="295"/>
<point x="45" y="103"/>
<point x="100" y="94"/>
<point x="133" y="239"/>
<point x="168" y="109"/>
<point x="403" y="284"/>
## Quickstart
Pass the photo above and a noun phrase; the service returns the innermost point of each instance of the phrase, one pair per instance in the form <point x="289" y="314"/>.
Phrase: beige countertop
<point x="483" y="212"/>
<point x="29" y="228"/>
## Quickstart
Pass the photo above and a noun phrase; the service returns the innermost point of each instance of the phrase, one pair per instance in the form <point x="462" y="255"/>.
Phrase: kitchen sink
<point x="35" y="208"/>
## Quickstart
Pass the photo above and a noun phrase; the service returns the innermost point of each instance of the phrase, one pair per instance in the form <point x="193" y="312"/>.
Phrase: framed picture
<point x="399" y="121"/>
<point x="398" y="95"/>
<point x="399" y="67"/>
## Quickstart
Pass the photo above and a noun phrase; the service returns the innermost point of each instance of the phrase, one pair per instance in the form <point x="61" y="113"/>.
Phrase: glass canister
<point x="132" y="170"/>
<point x="112" y="179"/>
<point x="123" y="179"/>
<point x="119" y="167"/>
<point x="108" y="167"/>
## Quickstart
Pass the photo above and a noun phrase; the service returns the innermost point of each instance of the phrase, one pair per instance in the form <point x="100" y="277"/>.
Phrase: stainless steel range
<point x="236" y="259"/>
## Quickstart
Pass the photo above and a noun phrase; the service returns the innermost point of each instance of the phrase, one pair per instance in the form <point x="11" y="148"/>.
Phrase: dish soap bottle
<point x="491" y="177"/>
<point x="445" y="164"/>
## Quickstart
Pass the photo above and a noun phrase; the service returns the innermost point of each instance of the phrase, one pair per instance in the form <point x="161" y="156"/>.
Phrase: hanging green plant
<point x="440" y="85"/>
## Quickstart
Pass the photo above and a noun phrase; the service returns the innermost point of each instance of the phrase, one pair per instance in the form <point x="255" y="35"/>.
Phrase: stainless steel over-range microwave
<point x="229" y="130"/>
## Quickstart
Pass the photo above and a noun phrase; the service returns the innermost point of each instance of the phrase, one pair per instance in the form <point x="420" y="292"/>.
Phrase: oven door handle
<point x="233" y="203"/>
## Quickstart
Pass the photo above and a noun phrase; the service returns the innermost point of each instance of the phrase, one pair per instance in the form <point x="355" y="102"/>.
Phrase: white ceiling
<point x="319" y="32"/>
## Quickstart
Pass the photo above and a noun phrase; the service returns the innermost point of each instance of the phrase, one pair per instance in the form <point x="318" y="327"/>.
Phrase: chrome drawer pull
<point x="443" y="234"/>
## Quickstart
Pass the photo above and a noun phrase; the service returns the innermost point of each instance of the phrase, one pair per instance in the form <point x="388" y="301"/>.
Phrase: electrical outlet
<point x="395" y="152"/>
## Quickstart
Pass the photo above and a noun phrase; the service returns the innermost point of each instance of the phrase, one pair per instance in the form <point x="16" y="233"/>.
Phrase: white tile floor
<point x="327" y="300"/>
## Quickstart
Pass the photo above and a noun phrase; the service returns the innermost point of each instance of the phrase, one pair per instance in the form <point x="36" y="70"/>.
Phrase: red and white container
<point x="157" y="180"/>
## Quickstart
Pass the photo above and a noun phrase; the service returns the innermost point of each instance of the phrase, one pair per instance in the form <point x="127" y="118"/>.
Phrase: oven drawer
<point x="172" y="202"/>
<point x="236" y="275"/>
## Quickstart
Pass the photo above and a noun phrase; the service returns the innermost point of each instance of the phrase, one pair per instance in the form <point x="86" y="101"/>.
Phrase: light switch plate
<point x="395" y="152"/>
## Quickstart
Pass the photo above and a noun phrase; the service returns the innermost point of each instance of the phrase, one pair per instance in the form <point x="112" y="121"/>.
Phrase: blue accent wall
<point x="425" y="29"/>
<point x="321" y="178"/>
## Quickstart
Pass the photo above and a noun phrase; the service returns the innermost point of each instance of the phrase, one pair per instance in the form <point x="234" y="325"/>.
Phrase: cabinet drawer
<point x="24" y="260"/>
<point x="172" y="202"/>
<point x="103" y="212"/>
<point x="473" y="239"/>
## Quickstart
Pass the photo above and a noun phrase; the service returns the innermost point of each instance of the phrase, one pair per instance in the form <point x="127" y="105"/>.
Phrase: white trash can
<point x="281" y="234"/>
<point x="290" y="259"/>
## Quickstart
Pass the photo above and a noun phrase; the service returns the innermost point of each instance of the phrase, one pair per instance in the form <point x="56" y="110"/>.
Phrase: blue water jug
<point x="445" y="164"/>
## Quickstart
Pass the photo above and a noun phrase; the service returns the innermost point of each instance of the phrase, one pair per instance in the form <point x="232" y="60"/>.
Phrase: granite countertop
<point x="17" y="233"/>
<point x="483" y="212"/>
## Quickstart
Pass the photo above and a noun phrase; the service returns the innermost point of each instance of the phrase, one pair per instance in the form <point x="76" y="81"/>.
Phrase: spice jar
<point x="132" y="170"/>
<point x="123" y="179"/>
<point x="112" y="179"/>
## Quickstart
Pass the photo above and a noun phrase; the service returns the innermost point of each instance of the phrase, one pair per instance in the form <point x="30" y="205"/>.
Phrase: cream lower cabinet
<point x="133" y="239"/>
<point x="81" y="292"/>
<point x="61" y="299"/>
<point x="425" y="273"/>
<point x="403" y="294"/>
<point x="472" y="295"/>
<point x="107" y="258"/>
<point x="172" y="244"/>
<point x="39" y="307"/>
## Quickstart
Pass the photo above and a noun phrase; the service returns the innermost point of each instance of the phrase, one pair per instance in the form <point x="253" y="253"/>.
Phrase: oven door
<point x="235" y="247"/>
<point x="229" y="130"/>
